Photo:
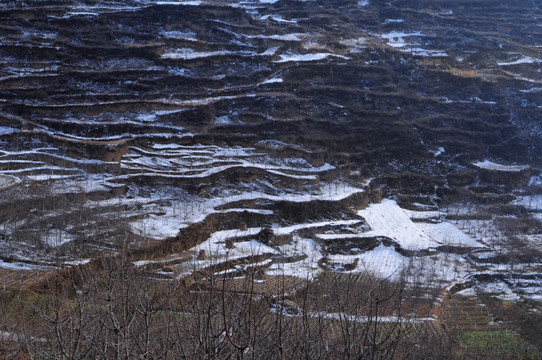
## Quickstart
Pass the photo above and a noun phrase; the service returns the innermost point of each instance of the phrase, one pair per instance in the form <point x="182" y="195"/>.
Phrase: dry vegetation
<point x="115" y="312"/>
<point x="124" y="118"/>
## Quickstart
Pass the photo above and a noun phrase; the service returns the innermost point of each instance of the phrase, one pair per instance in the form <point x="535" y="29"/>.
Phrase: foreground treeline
<point x="111" y="310"/>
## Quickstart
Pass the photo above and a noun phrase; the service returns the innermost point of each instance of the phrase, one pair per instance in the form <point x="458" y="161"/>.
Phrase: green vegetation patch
<point x="500" y="344"/>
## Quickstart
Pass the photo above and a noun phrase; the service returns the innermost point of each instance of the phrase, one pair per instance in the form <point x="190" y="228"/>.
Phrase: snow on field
<point x="434" y="215"/>
<point x="182" y="3"/>
<point x="79" y="13"/>
<point x="4" y="130"/>
<point x="162" y="222"/>
<point x="447" y="234"/>
<point x="215" y="246"/>
<point x="162" y="226"/>
<point x="308" y="250"/>
<point x="535" y="180"/>
<point x="226" y="120"/>
<point x="299" y="246"/>
<point x="389" y="220"/>
<point x="252" y="211"/>
<point x="190" y="54"/>
<point x="20" y="266"/>
<point x="278" y="18"/>
<point x="283" y="58"/>
<point x="534" y="294"/>
<point x="307" y="268"/>
<point x="303" y="257"/>
<point x="538" y="216"/>
<point x="180" y="35"/>
<point x="480" y="101"/>
<point x="382" y="261"/>
<point x="338" y="236"/>
<point x="216" y="251"/>
<point x="442" y="267"/>
<point x="42" y="173"/>
<point x="89" y="184"/>
<point x="207" y="100"/>
<point x="354" y="45"/>
<point x="394" y="21"/>
<point x="199" y="173"/>
<point x="425" y="52"/>
<point x="48" y="177"/>
<point x="203" y="161"/>
<point x="105" y="8"/>
<point x="386" y="263"/>
<point x="398" y="40"/>
<point x="270" y="52"/>
<point x="7" y="181"/>
<point x="484" y="231"/>
<point x="499" y="289"/>
<point x="532" y="202"/>
<point x="290" y="229"/>
<point x="535" y="240"/>
<point x="56" y="237"/>
<point x="272" y="81"/>
<point x="364" y="319"/>
<point x="439" y="151"/>
<point x="284" y="37"/>
<point x="523" y="59"/>
<point x="299" y="177"/>
<point x="489" y="165"/>
<point x="532" y="90"/>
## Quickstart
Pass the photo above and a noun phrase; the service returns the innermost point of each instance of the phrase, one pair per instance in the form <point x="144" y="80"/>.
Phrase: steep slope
<point x="259" y="130"/>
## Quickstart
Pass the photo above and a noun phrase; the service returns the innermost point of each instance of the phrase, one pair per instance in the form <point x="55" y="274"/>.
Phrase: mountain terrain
<point x="278" y="141"/>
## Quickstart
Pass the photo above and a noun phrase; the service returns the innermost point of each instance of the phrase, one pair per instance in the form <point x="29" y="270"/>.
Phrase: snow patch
<point x="278" y="18"/>
<point x="387" y="219"/>
<point x="532" y="90"/>
<point x="20" y="266"/>
<point x="382" y="261"/>
<point x="285" y="37"/>
<point x="226" y="120"/>
<point x="523" y="59"/>
<point x="4" y="130"/>
<point x="397" y="38"/>
<point x="439" y="151"/>
<point x="306" y="57"/>
<point x="7" y="181"/>
<point x="535" y="180"/>
<point x="56" y="237"/>
<point x="272" y="81"/>
<point x="489" y="165"/>
<point x="182" y="3"/>
<point x="394" y="21"/>
<point x="307" y="268"/>
<point x="533" y="202"/>
<point x="190" y="54"/>
<point x="270" y="52"/>
<point x="180" y="35"/>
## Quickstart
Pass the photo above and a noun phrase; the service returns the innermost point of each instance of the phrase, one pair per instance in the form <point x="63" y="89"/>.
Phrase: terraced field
<point x="275" y="139"/>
